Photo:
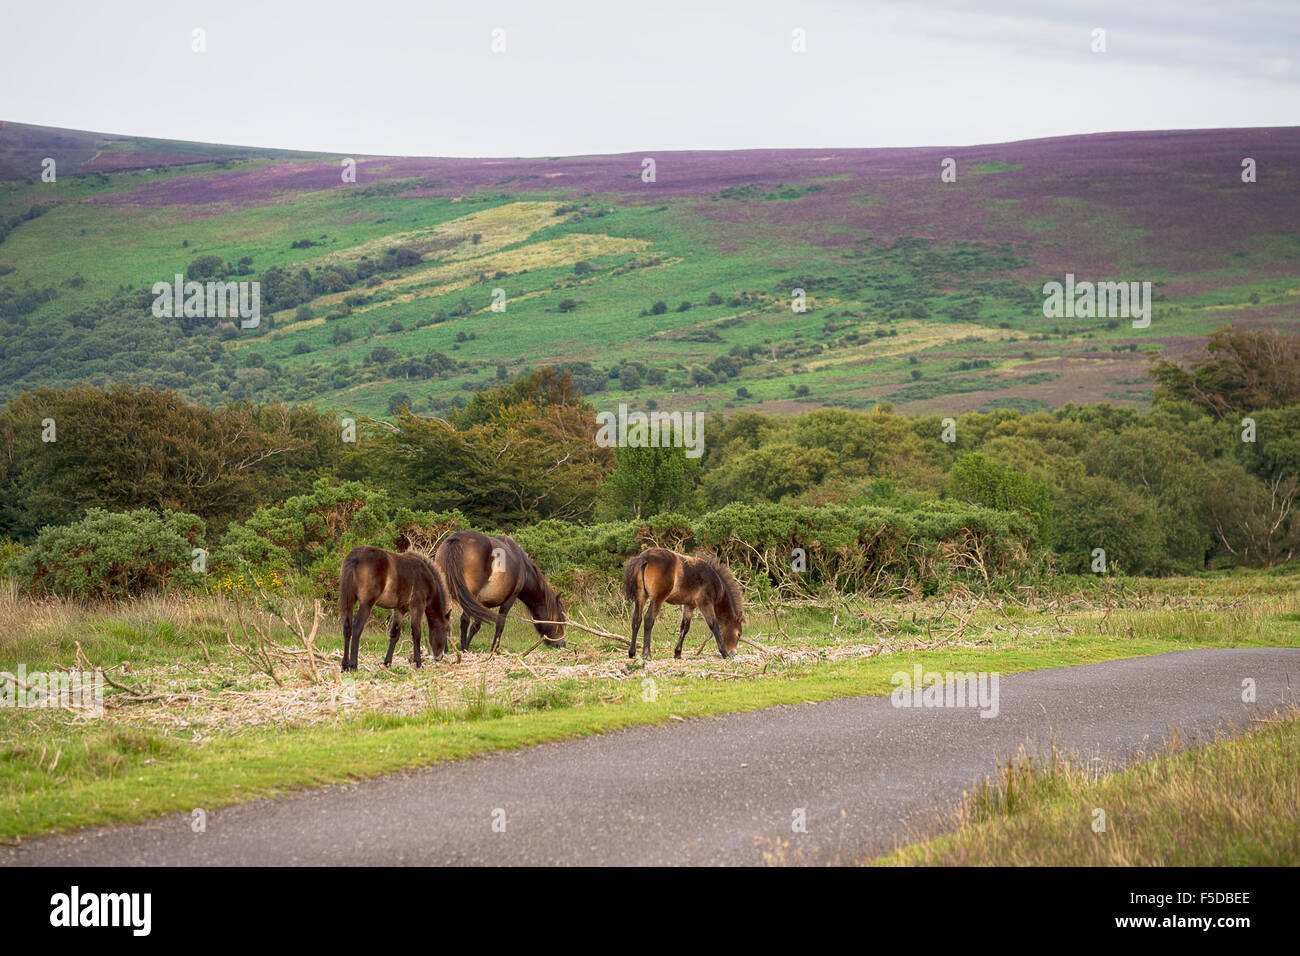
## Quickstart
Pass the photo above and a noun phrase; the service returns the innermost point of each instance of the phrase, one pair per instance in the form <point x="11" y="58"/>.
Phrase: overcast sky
<point x="419" y="77"/>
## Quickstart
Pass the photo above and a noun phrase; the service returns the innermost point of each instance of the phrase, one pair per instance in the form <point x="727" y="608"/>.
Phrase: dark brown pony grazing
<point x="408" y="584"/>
<point x="495" y="572"/>
<point x="657" y="575"/>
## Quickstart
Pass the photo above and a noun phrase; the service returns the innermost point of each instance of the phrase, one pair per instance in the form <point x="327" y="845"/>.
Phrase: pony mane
<point x="536" y="582"/>
<point x="730" y="586"/>
<point x="421" y="552"/>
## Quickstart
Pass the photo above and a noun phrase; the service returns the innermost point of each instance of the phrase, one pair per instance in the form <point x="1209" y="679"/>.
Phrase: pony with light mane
<point x="658" y="576"/>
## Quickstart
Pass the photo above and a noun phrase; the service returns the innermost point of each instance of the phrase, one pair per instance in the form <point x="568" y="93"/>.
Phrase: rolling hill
<point x="922" y="293"/>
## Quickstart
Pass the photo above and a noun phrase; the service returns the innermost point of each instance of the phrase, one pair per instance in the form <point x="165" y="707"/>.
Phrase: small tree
<point x="206" y="267"/>
<point x="630" y="377"/>
<point x="980" y="480"/>
<point x="648" y="481"/>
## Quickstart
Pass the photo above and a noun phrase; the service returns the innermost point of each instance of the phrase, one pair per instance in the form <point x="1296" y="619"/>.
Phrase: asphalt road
<point x="725" y="790"/>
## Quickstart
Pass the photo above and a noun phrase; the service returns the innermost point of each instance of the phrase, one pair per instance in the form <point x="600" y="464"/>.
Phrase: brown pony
<point x="703" y="583"/>
<point x="408" y="584"/>
<point x="495" y="572"/>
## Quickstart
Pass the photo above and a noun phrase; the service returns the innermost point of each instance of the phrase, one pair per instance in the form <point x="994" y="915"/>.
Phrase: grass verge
<point x="209" y="728"/>
<point x="1233" y="802"/>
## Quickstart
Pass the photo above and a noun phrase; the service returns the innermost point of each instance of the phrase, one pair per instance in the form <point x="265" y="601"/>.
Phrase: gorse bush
<point x="871" y="549"/>
<point x="310" y="534"/>
<point x="868" y="549"/>
<point x="979" y="480"/>
<point x="106" y="555"/>
<point x="307" y="533"/>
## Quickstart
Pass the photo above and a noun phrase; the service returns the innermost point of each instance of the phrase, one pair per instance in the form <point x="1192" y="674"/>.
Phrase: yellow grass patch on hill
<point x="496" y="228"/>
<point x="912" y="337"/>
<point x="1238" y="306"/>
<point x="444" y="277"/>
<point x="294" y="326"/>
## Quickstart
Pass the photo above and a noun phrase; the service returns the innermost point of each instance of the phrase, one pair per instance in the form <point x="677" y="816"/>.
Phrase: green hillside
<point x="379" y="292"/>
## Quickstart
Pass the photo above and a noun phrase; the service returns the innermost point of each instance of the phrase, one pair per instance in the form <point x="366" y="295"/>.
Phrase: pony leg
<point x="717" y="634"/>
<point x="636" y="626"/>
<point x="415" y="635"/>
<point x="503" y="610"/>
<point x="358" y="625"/>
<point x="347" y="635"/>
<point x="686" y="626"/>
<point x="473" y="629"/>
<point x="465" y="634"/>
<point x="394" y="633"/>
<point x="651" y="613"/>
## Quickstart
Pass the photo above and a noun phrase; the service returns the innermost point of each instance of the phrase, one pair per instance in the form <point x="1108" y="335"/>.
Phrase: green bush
<point x="561" y="545"/>
<point x="978" y="479"/>
<point x="867" y="549"/>
<point x="871" y="549"/>
<point x="1100" y="513"/>
<point x="308" y="533"/>
<point x="422" y="530"/>
<point x="113" y="555"/>
<point x="10" y="551"/>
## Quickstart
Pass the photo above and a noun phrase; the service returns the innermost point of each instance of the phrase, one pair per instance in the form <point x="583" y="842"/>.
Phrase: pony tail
<point x="347" y="590"/>
<point x="630" y="572"/>
<point x="452" y="554"/>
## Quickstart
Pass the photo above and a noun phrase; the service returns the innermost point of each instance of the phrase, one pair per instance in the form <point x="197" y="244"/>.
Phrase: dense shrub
<point x="113" y="555"/>
<point x="422" y="530"/>
<point x="307" y="533"/>
<point x="856" y="549"/>
<point x="561" y="545"/>
<point x="871" y="549"/>
<point x="310" y="534"/>
<point x="1099" y="513"/>
<point x="981" y="481"/>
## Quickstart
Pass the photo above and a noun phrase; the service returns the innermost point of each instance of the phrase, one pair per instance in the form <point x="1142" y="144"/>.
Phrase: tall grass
<point x="1235" y="801"/>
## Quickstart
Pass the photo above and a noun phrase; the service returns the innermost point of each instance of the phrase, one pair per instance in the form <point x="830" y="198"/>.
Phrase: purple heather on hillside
<point x="1178" y="195"/>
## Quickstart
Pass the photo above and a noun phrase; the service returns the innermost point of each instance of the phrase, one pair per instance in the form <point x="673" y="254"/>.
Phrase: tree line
<point x="1207" y="477"/>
